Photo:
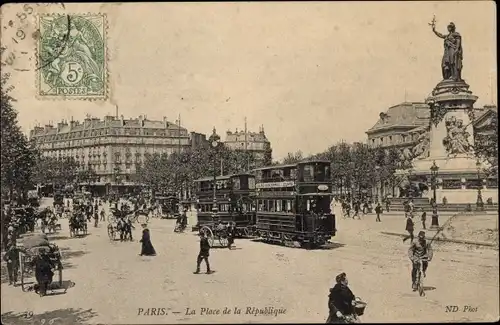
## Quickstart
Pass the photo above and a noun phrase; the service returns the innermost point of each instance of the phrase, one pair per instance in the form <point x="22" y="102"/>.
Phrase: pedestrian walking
<point x="365" y="208"/>
<point x="423" y="218"/>
<point x="387" y="204"/>
<point x="409" y="228"/>
<point x="43" y="272"/>
<point x="356" y="210"/>
<point x="103" y="215"/>
<point x="203" y="254"/>
<point x="230" y="234"/>
<point x="147" y="247"/>
<point x="11" y="257"/>
<point x="378" y="211"/>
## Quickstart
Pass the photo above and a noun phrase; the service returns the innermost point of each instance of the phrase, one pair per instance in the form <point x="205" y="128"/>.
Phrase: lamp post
<point x="116" y="170"/>
<point x="410" y="189"/>
<point x="377" y="174"/>
<point x="215" y="209"/>
<point x="435" y="216"/>
<point x="479" y="201"/>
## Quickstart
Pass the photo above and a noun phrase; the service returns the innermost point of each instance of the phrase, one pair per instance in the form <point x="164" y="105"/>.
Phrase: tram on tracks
<point x="235" y="203"/>
<point x="293" y="204"/>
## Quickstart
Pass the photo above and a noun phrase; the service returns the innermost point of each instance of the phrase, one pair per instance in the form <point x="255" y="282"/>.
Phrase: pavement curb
<point x="458" y="241"/>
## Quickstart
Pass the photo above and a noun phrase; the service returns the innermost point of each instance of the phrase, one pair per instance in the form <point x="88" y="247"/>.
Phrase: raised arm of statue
<point x="438" y="34"/>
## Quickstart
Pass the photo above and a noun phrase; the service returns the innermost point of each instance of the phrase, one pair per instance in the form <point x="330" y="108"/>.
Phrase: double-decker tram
<point x="293" y="204"/>
<point x="234" y="196"/>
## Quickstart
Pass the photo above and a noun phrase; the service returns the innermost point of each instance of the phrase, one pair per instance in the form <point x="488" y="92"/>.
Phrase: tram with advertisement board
<point x="235" y="203"/>
<point x="293" y="204"/>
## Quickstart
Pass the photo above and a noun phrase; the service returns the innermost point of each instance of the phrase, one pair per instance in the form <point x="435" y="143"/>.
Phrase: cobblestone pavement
<point x="112" y="284"/>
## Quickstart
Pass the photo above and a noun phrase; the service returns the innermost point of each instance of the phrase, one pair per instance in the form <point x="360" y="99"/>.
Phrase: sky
<point x="313" y="73"/>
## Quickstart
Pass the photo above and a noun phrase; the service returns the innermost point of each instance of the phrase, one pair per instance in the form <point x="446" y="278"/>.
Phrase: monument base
<point x="457" y="180"/>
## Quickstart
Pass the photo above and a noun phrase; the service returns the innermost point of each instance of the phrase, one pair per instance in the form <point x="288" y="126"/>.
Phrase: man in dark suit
<point x="203" y="254"/>
<point x="43" y="272"/>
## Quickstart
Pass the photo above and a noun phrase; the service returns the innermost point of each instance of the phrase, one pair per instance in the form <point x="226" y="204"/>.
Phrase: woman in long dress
<point x="147" y="246"/>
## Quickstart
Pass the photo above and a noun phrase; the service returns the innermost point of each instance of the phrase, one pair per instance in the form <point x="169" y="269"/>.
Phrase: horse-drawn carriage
<point x="49" y="221"/>
<point x="169" y="205"/>
<point x="77" y="224"/>
<point x="29" y="249"/>
<point x="216" y="232"/>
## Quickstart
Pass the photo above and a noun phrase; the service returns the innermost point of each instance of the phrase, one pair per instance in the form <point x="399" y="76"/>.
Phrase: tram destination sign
<point x="275" y="184"/>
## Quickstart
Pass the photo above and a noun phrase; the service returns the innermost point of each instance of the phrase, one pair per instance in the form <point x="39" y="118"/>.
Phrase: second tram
<point x="293" y="204"/>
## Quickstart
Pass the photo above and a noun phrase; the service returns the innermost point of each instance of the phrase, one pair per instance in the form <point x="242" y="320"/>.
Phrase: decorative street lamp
<point x="377" y="173"/>
<point x="435" y="216"/>
<point x="479" y="201"/>
<point x="215" y="144"/>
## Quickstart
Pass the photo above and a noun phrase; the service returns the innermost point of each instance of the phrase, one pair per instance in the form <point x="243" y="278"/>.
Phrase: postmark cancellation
<point x="71" y="57"/>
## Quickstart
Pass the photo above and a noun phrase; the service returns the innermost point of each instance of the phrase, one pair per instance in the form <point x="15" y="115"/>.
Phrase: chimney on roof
<point x="122" y="120"/>
<point x="165" y="122"/>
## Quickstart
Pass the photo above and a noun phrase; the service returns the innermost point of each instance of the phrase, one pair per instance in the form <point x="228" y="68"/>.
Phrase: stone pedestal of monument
<point x="451" y="142"/>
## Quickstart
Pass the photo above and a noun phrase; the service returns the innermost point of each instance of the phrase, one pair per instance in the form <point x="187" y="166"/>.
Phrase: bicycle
<point x="419" y="280"/>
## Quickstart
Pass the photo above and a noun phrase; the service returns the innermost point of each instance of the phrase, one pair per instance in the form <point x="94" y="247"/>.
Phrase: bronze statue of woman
<point x="452" y="59"/>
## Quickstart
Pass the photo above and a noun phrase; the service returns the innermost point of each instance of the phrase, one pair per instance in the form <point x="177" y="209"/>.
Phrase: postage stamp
<point x="72" y="57"/>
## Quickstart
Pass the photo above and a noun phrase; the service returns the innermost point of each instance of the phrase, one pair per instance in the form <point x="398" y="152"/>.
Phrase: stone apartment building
<point x="255" y="142"/>
<point x="113" y="147"/>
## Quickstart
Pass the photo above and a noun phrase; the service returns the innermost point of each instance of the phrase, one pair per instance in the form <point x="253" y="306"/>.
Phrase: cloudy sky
<point x="312" y="73"/>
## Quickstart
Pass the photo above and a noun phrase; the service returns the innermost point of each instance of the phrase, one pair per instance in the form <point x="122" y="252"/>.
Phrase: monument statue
<point x="421" y="150"/>
<point x="457" y="138"/>
<point x="451" y="64"/>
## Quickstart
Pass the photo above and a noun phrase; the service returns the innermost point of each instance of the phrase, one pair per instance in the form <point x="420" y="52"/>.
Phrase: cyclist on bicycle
<point x="419" y="253"/>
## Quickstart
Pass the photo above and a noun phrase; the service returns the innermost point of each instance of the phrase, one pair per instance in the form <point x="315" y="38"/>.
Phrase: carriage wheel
<point x="210" y="235"/>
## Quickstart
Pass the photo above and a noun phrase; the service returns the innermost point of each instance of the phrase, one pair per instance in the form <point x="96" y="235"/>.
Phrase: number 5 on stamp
<point x="72" y="57"/>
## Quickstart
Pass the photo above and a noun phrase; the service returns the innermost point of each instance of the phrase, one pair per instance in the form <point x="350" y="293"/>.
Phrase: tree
<point x="486" y="146"/>
<point x="17" y="154"/>
<point x="293" y="157"/>
<point x="59" y="172"/>
<point x="363" y="167"/>
<point x="268" y="154"/>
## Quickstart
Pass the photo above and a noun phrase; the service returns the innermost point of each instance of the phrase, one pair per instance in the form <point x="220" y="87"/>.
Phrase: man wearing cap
<point x="11" y="257"/>
<point x="203" y="254"/>
<point x="419" y="253"/>
<point x="43" y="272"/>
<point x="341" y="301"/>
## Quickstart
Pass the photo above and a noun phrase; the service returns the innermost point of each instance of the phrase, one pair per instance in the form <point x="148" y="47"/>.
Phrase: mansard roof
<point x="407" y="114"/>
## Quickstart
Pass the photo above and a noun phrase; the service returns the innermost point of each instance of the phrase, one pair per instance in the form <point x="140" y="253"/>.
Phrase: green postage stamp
<point x="72" y="57"/>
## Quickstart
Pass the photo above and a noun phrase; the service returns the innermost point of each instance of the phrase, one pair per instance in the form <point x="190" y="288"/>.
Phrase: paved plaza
<point x="107" y="282"/>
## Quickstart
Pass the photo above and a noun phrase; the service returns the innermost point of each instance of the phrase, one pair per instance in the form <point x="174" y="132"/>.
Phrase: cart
<point x="169" y="206"/>
<point x="112" y="230"/>
<point x="29" y="247"/>
<point x="213" y="234"/>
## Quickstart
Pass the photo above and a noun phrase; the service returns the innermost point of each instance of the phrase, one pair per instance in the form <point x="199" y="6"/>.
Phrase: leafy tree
<point x="293" y="157"/>
<point x="486" y="146"/>
<point x="59" y="172"/>
<point x="17" y="154"/>
<point x="268" y="154"/>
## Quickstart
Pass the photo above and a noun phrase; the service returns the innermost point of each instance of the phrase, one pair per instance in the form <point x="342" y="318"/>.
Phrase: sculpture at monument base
<point x="457" y="138"/>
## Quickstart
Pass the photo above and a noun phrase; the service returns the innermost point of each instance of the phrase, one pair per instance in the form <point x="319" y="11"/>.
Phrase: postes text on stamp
<point x="72" y="58"/>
